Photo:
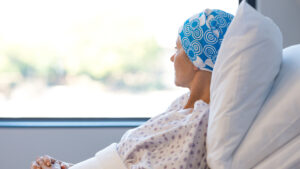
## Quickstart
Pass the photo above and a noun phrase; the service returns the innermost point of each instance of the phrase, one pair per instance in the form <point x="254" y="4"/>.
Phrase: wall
<point x="285" y="14"/>
<point x="20" y="146"/>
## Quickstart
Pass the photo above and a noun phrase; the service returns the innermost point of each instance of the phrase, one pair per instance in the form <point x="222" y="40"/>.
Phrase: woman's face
<point x="184" y="68"/>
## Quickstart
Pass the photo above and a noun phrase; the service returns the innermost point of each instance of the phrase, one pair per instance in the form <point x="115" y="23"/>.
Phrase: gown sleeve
<point x="107" y="158"/>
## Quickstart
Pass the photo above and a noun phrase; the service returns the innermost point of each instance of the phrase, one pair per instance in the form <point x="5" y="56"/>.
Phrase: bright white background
<point x="36" y="24"/>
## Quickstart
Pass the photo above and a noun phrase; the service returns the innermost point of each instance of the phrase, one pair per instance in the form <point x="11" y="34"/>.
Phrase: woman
<point x="175" y="138"/>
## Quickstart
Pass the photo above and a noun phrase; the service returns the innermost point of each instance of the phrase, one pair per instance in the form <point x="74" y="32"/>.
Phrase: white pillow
<point x="248" y="61"/>
<point x="278" y="121"/>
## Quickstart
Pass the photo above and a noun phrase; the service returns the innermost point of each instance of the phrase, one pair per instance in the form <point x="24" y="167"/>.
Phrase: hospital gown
<point x="175" y="139"/>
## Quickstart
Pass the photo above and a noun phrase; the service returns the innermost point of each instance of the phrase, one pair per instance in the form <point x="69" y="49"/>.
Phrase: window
<point x="91" y="58"/>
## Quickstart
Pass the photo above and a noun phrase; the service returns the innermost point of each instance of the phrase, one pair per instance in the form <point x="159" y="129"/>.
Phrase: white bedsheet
<point x="287" y="157"/>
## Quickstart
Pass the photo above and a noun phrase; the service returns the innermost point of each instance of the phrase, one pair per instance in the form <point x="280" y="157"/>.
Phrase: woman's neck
<point x="199" y="89"/>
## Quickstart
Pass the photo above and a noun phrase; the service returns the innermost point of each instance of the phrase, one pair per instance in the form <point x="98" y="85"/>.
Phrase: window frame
<point x="251" y="2"/>
<point x="70" y="122"/>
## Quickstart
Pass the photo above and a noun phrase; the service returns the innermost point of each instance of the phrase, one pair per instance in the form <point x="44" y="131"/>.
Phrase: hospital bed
<point x="273" y="141"/>
<point x="254" y="117"/>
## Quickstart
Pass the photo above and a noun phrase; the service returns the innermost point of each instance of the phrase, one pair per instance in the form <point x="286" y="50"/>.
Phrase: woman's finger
<point x="43" y="166"/>
<point x="47" y="160"/>
<point x="64" y="165"/>
<point x="40" y="162"/>
<point x="34" y="165"/>
<point x="53" y="160"/>
<point x="54" y="166"/>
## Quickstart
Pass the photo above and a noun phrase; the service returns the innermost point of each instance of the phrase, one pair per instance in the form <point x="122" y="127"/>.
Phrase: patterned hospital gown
<point x="174" y="139"/>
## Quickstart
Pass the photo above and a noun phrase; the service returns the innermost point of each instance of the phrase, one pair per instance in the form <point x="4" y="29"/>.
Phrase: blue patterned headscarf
<point x="201" y="37"/>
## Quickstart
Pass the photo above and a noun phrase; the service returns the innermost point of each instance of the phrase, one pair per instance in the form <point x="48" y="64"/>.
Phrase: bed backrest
<point x="279" y="119"/>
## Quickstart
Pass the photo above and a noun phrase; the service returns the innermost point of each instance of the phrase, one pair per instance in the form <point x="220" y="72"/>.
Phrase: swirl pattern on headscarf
<point x="201" y="36"/>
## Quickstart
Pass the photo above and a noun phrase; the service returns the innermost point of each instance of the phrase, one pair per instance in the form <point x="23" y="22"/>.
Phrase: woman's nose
<point x="172" y="58"/>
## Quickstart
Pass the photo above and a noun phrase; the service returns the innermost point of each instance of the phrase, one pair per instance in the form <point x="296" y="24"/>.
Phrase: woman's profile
<point x="175" y="138"/>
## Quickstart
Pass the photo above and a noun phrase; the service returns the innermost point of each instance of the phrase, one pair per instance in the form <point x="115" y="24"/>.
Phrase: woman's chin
<point x="178" y="84"/>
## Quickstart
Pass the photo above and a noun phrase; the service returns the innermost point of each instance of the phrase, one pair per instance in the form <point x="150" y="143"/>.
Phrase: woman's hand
<point x="42" y="165"/>
<point x="47" y="162"/>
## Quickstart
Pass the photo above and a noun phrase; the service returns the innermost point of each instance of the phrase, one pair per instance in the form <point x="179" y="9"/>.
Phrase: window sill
<point x="70" y="122"/>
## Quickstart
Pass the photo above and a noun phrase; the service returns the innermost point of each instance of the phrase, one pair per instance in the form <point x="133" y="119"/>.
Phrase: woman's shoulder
<point x="201" y="105"/>
<point x="179" y="102"/>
